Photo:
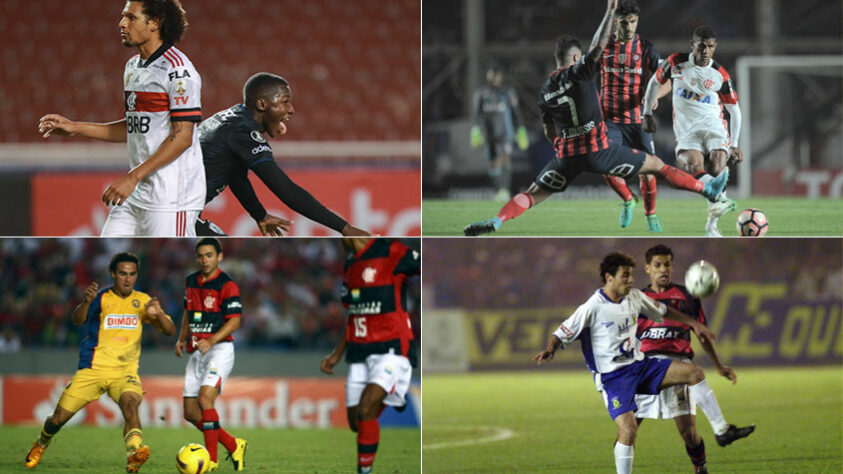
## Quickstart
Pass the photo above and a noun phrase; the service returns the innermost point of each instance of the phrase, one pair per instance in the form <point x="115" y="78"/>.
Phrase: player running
<point x="607" y="326"/>
<point x="108" y="357"/>
<point x="378" y="341"/>
<point x="497" y="122"/>
<point x="702" y="88"/>
<point x="624" y="66"/>
<point x="212" y="311"/>
<point x="574" y="123"/>
<point x="233" y="143"/>
<point x="164" y="191"/>
<point x="672" y="340"/>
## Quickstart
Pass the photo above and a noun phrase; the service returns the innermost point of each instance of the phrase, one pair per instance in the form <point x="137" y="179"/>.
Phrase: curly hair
<point x="171" y="17"/>
<point x="123" y="257"/>
<point x="612" y="262"/>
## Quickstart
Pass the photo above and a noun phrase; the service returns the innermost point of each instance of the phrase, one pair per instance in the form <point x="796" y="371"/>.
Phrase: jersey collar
<point x="157" y="54"/>
<point x="609" y="300"/>
<point x="202" y="281"/>
<point x="691" y="58"/>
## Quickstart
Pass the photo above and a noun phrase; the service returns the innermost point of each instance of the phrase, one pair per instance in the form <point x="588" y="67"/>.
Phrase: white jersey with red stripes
<point x="163" y="89"/>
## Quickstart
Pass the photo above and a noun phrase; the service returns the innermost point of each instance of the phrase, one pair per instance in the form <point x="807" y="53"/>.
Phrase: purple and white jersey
<point x="608" y="330"/>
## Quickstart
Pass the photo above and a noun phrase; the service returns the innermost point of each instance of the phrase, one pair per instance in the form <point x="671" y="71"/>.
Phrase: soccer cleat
<point x="34" y="456"/>
<point x="733" y="434"/>
<point x="213" y="466"/>
<point x="238" y="457"/>
<point x="722" y="206"/>
<point x="486" y="226"/>
<point x="364" y="469"/>
<point x="653" y="223"/>
<point x="401" y="408"/>
<point x="137" y="458"/>
<point x="701" y="469"/>
<point x="626" y="212"/>
<point x="713" y="188"/>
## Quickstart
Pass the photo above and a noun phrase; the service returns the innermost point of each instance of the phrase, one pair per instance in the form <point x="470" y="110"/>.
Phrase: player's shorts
<point x="88" y="385"/>
<point x="617" y="160"/>
<point x="392" y="372"/>
<point x="621" y="385"/>
<point x="209" y="369"/>
<point x="128" y="220"/>
<point x="207" y="228"/>
<point x="497" y="146"/>
<point x="669" y="403"/>
<point x="631" y="135"/>
<point x="704" y="140"/>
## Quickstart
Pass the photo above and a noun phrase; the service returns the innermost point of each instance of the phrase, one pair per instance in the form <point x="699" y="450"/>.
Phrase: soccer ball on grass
<point x="752" y="223"/>
<point x="702" y="279"/>
<point x="193" y="459"/>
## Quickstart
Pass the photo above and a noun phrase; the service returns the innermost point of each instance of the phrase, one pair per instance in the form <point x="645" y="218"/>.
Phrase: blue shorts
<point x="617" y="160"/>
<point x="630" y="135"/>
<point x="621" y="385"/>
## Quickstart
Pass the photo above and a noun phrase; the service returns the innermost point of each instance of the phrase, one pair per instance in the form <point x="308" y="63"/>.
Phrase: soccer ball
<point x="702" y="279"/>
<point x="193" y="459"/>
<point x="752" y="223"/>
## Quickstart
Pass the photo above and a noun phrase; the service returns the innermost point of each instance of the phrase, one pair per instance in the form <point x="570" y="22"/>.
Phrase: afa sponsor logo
<point x="121" y="321"/>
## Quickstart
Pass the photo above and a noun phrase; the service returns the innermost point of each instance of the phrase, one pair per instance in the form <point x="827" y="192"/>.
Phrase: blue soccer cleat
<point x="627" y="207"/>
<point x="653" y="223"/>
<point x="486" y="226"/>
<point x="716" y="186"/>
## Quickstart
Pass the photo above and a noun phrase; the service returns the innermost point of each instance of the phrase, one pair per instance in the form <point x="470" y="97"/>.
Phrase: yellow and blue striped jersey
<point x="113" y="331"/>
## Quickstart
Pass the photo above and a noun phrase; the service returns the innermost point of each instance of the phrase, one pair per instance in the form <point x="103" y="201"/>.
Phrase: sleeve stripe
<point x="185" y="114"/>
<point x="194" y="109"/>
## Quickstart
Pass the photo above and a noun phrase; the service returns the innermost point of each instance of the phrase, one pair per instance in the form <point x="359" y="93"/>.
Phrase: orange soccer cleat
<point x="34" y="456"/>
<point x="137" y="458"/>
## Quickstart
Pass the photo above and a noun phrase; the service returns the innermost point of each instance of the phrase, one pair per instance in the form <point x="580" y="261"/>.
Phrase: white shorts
<point x="209" y="369"/>
<point x="127" y="220"/>
<point x="704" y="140"/>
<point x="669" y="403"/>
<point x="392" y="372"/>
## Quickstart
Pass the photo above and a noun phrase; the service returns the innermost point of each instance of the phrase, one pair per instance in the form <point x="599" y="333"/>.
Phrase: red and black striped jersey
<point x="670" y="337"/>
<point x="568" y="101"/>
<point x="209" y="304"/>
<point x="625" y="69"/>
<point x="374" y="296"/>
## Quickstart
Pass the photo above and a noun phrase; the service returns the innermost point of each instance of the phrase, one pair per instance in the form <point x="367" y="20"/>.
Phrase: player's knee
<point x="696" y="374"/>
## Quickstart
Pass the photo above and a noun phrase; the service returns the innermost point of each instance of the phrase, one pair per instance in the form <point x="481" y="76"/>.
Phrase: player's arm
<point x="651" y="97"/>
<point x="549" y="131"/>
<point x="569" y="330"/>
<point x="601" y="37"/>
<point x="268" y="224"/>
<point x="181" y="342"/>
<point x="332" y="359"/>
<point x="160" y="320"/>
<point x="80" y="312"/>
<point x="54" y="124"/>
<point x="723" y="370"/>
<point x="231" y="324"/>
<point x="734" y="130"/>
<point x="703" y="333"/>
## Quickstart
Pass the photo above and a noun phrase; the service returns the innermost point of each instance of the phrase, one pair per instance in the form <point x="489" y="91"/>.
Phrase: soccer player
<point x="672" y="340"/>
<point x="574" y="123"/>
<point x="108" y="357"/>
<point x="233" y="143"/>
<point x="497" y="122"/>
<point x="702" y="88"/>
<point x="606" y="324"/>
<point x="378" y="341"/>
<point x="164" y="191"/>
<point x="212" y="311"/>
<point x="624" y="65"/>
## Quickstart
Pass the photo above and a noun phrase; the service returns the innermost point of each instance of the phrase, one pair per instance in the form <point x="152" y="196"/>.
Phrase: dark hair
<point x="172" y="19"/>
<point x="627" y="7"/>
<point x="657" y="250"/>
<point x="123" y="257"/>
<point x="612" y="262"/>
<point x="564" y="44"/>
<point x="261" y="86"/>
<point x="209" y="241"/>
<point x="704" y="32"/>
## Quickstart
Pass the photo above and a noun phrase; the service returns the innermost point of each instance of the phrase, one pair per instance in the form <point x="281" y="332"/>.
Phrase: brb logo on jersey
<point x="121" y="321"/>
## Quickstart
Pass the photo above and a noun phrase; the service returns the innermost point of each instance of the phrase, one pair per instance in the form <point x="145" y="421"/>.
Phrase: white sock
<point x="623" y="458"/>
<point x="704" y="397"/>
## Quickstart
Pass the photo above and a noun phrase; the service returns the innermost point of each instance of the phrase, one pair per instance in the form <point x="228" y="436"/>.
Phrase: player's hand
<point x="181" y="346"/>
<point x="649" y="124"/>
<point x="274" y="226"/>
<point x="476" y="137"/>
<point x="117" y="192"/>
<point x="544" y="356"/>
<point x="328" y="363"/>
<point x="521" y="138"/>
<point x="735" y="154"/>
<point x="54" y="124"/>
<point x="351" y="231"/>
<point x="727" y="372"/>
<point x="90" y="292"/>
<point x="153" y="308"/>
<point x="204" y="345"/>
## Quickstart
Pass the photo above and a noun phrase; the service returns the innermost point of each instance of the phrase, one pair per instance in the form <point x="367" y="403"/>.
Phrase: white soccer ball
<point x="702" y="279"/>
<point x="193" y="459"/>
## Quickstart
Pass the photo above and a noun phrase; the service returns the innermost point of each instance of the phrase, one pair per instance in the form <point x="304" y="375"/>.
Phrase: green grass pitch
<point x="553" y="421"/>
<point x="92" y="450"/>
<point x="599" y="217"/>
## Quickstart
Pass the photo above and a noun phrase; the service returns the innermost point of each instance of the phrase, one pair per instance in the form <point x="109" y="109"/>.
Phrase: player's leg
<point x="51" y="426"/>
<point x="624" y="446"/>
<point x="694" y="445"/>
<point x="642" y="140"/>
<point x="167" y="223"/>
<point x="136" y="452"/>
<point x="617" y="183"/>
<point x="717" y="163"/>
<point x="215" y="366"/>
<point x="358" y="374"/>
<point x="122" y="221"/>
<point x="368" y="433"/>
<point x="682" y="180"/>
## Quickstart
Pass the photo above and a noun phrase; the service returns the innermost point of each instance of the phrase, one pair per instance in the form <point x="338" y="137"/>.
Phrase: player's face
<point x="208" y="259"/>
<point x="279" y="110"/>
<point x="621" y="281"/>
<point x="660" y="270"/>
<point x="625" y="27"/>
<point x="135" y="26"/>
<point x="703" y="50"/>
<point x="125" y="277"/>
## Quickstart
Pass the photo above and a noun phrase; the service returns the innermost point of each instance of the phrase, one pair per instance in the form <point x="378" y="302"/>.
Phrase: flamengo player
<point x="164" y="192"/>
<point x="378" y="341"/>
<point x="672" y="340"/>
<point x="212" y="311"/>
<point x="607" y="326"/>
<point x="109" y="356"/>
<point x="702" y="89"/>
<point x="574" y="123"/>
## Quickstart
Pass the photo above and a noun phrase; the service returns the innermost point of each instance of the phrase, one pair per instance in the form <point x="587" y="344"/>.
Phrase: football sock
<point x="680" y="179"/>
<point x="619" y="185"/>
<point x="47" y="433"/>
<point x="228" y="441"/>
<point x="133" y="439"/>
<point x="515" y="207"/>
<point x="649" y="193"/>
<point x="697" y="453"/>
<point x="704" y="397"/>
<point x="211" y="430"/>
<point x="623" y="458"/>
<point x="368" y="435"/>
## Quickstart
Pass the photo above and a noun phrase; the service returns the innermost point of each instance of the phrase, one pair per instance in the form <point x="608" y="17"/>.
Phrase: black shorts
<point x="631" y="135"/>
<point x="617" y="160"/>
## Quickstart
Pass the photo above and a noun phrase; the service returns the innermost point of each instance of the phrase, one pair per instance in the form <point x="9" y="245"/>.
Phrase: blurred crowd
<point x="290" y="288"/>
